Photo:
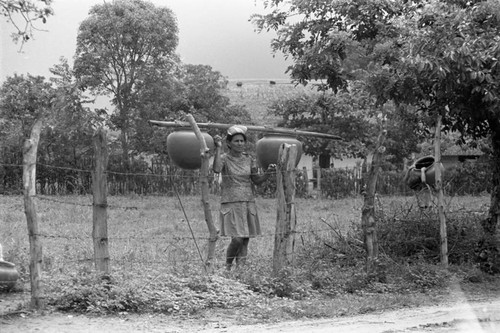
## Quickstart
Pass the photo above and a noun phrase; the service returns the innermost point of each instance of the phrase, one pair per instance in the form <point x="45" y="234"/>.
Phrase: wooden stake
<point x="100" y="203"/>
<point x="440" y="195"/>
<point x="286" y="221"/>
<point x="30" y="149"/>
<point x="368" y="221"/>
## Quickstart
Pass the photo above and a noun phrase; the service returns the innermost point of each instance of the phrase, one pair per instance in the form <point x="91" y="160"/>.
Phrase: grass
<point x="156" y="267"/>
<point x="148" y="229"/>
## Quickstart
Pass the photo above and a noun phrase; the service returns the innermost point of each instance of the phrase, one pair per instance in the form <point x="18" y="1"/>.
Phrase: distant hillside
<point x="258" y="95"/>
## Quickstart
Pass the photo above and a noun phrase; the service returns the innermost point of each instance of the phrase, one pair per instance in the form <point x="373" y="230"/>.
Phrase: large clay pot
<point x="184" y="148"/>
<point x="414" y="179"/>
<point x="8" y="275"/>
<point x="268" y="148"/>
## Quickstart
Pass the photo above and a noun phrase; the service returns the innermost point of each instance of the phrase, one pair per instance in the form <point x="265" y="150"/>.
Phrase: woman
<point x="238" y="213"/>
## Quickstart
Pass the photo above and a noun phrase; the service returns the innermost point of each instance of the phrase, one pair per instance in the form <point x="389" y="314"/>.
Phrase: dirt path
<point x="483" y="316"/>
<point x="476" y="317"/>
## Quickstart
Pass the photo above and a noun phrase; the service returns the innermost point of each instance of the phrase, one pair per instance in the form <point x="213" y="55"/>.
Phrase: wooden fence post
<point x="439" y="190"/>
<point x="30" y="149"/>
<point x="286" y="221"/>
<point x="318" y="181"/>
<point x="205" y="191"/>
<point x="100" y="203"/>
<point x="368" y="221"/>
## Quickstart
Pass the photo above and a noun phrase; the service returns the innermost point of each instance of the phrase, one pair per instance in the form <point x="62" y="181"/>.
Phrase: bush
<point x="413" y="233"/>
<point x="164" y="293"/>
<point x="469" y="178"/>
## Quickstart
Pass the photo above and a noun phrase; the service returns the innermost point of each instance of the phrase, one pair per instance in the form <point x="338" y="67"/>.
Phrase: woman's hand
<point x="271" y="168"/>
<point x="218" y="141"/>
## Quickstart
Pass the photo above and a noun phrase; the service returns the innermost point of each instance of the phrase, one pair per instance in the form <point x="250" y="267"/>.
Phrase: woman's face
<point x="238" y="143"/>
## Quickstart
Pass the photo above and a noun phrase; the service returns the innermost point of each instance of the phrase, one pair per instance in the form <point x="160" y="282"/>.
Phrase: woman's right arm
<point x="217" y="166"/>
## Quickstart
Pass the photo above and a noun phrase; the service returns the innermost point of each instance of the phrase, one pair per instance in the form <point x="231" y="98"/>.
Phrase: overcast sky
<point x="211" y="32"/>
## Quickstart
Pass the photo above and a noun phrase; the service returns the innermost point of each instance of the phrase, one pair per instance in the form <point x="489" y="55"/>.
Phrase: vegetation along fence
<point x="153" y="236"/>
<point x="163" y="178"/>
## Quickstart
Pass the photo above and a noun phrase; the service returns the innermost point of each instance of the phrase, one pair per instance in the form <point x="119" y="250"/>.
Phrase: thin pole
<point x="439" y="189"/>
<point x="190" y="229"/>
<point x="265" y="129"/>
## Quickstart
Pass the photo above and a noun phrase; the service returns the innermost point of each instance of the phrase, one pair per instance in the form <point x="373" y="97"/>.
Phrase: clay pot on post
<point x="428" y="166"/>
<point x="183" y="147"/>
<point x="267" y="148"/>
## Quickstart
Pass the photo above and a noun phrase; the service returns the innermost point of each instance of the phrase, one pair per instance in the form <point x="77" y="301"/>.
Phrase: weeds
<point x="155" y="268"/>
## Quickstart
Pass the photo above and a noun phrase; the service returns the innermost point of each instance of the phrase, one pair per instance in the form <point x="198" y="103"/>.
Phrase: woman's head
<point x="236" y="137"/>
<point x="236" y="130"/>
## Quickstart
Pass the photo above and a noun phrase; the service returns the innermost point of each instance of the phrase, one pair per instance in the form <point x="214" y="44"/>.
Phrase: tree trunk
<point x="489" y="246"/>
<point x="29" y="184"/>
<point x="368" y="221"/>
<point x="125" y="149"/>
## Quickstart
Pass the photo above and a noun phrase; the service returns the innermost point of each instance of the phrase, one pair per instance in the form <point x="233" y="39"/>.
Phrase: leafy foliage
<point x="24" y="99"/>
<point x="23" y="14"/>
<point x="329" y="40"/>
<point x="119" y="46"/>
<point x="170" y="294"/>
<point x="340" y="114"/>
<point x="439" y="56"/>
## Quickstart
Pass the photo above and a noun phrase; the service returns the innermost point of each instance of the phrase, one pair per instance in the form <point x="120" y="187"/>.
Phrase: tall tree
<point x="119" y="46"/>
<point x="22" y="16"/>
<point x="330" y="42"/>
<point x="338" y="46"/>
<point x="334" y="43"/>
<point x="66" y="123"/>
<point x="343" y="114"/>
<point x="448" y="65"/>
<point x="24" y="100"/>
<point x="204" y="94"/>
<point x="441" y="56"/>
<point x="195" y="89"/>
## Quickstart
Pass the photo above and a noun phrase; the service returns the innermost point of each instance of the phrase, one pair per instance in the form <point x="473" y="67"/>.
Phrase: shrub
<point x="163" y="293"/>
<point x="413" y="233"/>
<point x="469" y="178"/>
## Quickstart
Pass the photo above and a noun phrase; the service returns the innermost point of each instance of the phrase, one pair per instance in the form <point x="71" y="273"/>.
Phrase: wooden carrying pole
<point x="265" y="129"/>
<point x="286" y="220"/>
<point x="204" y="171"/>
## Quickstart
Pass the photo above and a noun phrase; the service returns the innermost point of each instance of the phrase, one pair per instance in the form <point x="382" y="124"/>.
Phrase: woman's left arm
<point x="258" y="178"/>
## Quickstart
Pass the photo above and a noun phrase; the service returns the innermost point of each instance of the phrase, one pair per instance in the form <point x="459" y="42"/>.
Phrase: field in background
<point x="258" y="95"/>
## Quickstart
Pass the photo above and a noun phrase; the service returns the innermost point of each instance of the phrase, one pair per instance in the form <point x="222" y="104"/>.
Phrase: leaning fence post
<point x="100" y="203"/>
<point x="205" y="193"/>
<point x="30" y="149"/>
<point x="286" y="221"/>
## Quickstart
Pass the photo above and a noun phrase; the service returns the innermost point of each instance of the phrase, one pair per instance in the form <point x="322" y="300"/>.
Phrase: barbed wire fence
<point x="147" y="228"/>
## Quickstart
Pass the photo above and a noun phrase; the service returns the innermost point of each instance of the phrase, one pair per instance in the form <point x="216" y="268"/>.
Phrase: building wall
<point x="306" y="161"/>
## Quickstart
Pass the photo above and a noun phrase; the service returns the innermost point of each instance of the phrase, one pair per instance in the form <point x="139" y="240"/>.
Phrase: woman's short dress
<point x="238" y="212"/>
